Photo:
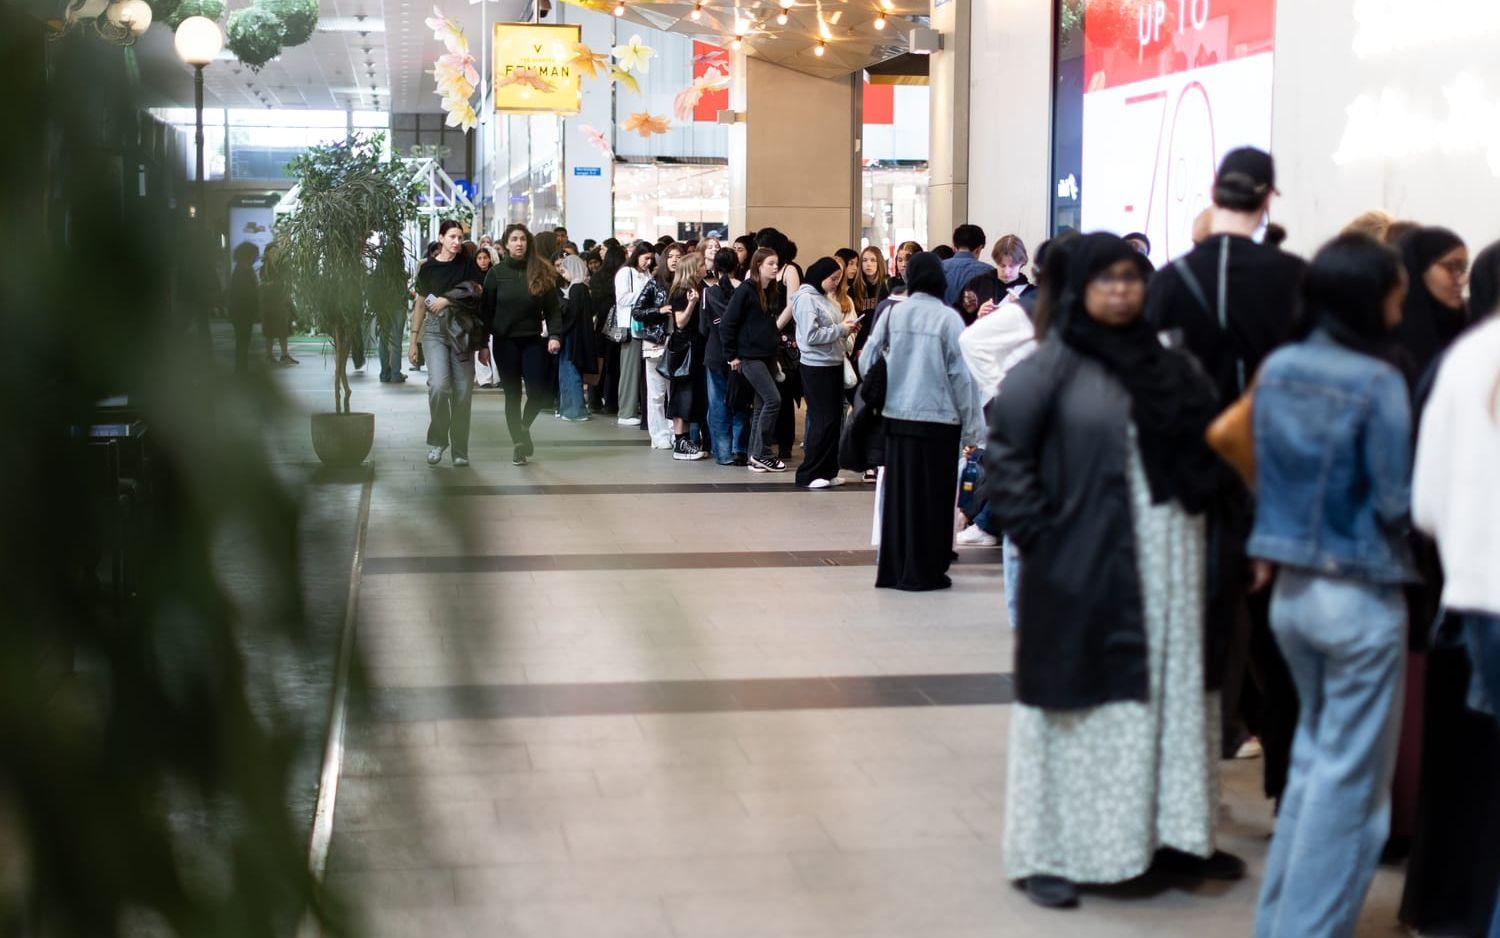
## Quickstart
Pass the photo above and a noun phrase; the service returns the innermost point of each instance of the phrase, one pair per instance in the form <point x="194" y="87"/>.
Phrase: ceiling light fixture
<point x="735" y="43"/>
<point x="880" y="21"/>
<point x="820" y="48"/>
<point x="697" y="13"/>
<point x="620" y="8"/>
<point x="781" y="18"/>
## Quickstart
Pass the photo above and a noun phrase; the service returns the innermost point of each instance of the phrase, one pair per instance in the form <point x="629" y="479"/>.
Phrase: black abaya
<point x="916" y="519"/>
<point x="823" y="389"/>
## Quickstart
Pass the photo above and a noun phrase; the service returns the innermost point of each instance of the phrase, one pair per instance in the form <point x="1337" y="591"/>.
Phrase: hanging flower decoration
<point x="646" y="124"/>
<point x="617" y="74"/>
<point x="688" y="98"/>
<point x="596" y="137"/>
<point x="634" y="56"/>
<point x="454" y="72"/>
<point x="587" y="61"/>
<point x="529" y="77"/>
<point x="449" y="33"/>
<point x="460" y="114"/>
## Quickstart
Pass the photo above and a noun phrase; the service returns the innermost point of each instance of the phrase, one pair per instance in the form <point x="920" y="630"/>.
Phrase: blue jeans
<point x="1011" y="555"/>
<point x="1344" y="641"/>
<point x="729" y="429"/>
<point x="569" y="385"/>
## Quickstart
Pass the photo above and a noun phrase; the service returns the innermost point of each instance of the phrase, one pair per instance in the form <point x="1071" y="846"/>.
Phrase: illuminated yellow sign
<point x="533" y="68"/>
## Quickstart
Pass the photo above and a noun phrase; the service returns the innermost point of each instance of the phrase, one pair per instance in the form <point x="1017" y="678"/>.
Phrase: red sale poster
<point x="705" y="57"/>
<point x="1170" y="86"/>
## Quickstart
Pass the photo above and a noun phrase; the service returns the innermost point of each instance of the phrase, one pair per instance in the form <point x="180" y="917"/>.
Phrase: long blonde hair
<point x="689" y="273"/>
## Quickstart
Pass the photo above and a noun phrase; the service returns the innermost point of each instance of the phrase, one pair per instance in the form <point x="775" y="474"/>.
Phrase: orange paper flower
<point x="646" y="124"/>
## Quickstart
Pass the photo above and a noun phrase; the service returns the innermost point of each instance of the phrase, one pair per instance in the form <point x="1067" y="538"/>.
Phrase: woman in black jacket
<point x="520" y="294"/>
<point x="1098" y="471"/>
<point x="577" y="357"/>
<point x="244" y="301"/>
<point x="604" y="396"/>
<point x="750" y="334"/>
<point x="728" y="428"/>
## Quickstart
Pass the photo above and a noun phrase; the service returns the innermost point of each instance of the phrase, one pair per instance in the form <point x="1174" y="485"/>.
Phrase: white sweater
<point x="990" y="345"/>
<point x="628" y="284"/>
<point x="1454" y="491"/>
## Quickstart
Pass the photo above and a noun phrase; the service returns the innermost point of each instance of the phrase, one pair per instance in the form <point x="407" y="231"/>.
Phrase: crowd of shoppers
<point x="1327" y="601"/>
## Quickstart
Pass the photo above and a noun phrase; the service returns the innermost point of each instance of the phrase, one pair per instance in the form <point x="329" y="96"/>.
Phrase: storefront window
<point x="686" y="201"/>
<point x="894" y="206"/>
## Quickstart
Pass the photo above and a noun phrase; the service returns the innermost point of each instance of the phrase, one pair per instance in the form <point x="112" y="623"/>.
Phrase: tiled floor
<point x="617" y="695"/>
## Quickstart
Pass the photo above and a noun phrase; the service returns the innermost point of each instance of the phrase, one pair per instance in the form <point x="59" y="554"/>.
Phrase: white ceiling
<point x="378" y="54"/>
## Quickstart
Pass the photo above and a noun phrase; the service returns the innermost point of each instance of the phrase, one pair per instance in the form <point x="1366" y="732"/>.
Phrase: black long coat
<point x="1056" y="472"/>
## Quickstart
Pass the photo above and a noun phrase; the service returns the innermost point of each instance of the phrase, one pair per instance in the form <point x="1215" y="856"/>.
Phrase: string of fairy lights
<point x="745" y="26"/>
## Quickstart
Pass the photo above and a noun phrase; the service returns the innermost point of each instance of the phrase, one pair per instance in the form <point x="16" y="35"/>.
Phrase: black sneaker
<point x="1221" y="866"/>
<point x="766" y="464"/>
<point x="518" y="458"/>
<point x="684" y="448"/>
<point x="1051" y="892"/>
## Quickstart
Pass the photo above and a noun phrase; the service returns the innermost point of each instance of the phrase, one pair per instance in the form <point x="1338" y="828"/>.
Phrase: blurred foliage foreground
<point x="144" y="768"/>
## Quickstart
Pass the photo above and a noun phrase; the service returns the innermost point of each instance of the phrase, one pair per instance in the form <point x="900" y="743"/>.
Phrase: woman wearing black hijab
<point x="1437" y="264"/>
<point x="1099" y="472"/>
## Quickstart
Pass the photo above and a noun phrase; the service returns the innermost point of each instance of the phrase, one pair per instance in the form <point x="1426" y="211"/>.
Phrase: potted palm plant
<point x="343" y="259"/>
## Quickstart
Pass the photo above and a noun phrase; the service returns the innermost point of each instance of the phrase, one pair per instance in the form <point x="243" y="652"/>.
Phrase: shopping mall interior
<point x="376" y="569"/>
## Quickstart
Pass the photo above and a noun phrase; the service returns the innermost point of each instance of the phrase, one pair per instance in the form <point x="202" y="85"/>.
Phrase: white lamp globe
<point x="134" y="15"/>
<point x="198" y="40"/>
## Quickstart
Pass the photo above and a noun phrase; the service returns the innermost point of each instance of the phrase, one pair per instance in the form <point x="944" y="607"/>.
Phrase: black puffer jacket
<point x="1056" y="473"/>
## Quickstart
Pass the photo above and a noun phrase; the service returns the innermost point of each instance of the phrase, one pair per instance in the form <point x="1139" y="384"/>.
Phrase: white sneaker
<point x="1250" y="749"/>
<point x="975" y="536"/>
<point x="460" y="462"/>
<point x="435" y="455"/>
<point x="629" y="421"/>
<point x="820" y="484"/>
<point x="835" y="482"/>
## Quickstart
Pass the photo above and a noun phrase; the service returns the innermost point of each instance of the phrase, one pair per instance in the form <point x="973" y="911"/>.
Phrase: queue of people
<point x="1242" y="499"/>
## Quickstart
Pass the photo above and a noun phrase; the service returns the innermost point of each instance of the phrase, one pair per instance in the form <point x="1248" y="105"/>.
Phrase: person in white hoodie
<point x="823" y="338"/>
<point x="629" y="281"/>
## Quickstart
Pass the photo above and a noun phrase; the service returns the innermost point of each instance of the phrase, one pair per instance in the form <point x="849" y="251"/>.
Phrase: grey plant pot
<point x="343" y="440"/>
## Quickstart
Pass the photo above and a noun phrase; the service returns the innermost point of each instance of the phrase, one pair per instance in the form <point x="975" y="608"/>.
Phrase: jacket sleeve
<point x="1387" y="447"/>
<point x="809" y="333"/>
<point x="873" y="344"/>
<point x="729" y="327"/>
<point x="1013" y="459"/>
<point x="487" y="304"/>
<point x="965" y="389"/>
<point x="552" y="313"/>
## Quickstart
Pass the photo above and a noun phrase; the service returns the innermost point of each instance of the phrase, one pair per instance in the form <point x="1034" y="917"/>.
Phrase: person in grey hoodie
<point x="823" y="338"/>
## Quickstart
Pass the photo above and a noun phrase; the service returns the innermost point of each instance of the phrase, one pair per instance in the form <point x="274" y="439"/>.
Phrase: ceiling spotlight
<point x="820" y="48"/>
<point x="880" y="21"/>
<point x="697" y="13"/>
<point x="781" y="18"/>
<point x="735" y="43"/>
<point x="620" y="8"/>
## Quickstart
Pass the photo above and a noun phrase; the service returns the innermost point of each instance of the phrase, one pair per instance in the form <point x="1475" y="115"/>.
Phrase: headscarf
<point x="1171" y="404"/>
<point x="1427" y="326"/>
<point x="1484" y="282"/>
<point x="820" y="270"/>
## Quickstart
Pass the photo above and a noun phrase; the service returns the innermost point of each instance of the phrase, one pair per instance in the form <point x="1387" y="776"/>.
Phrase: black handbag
<point x="650" y="321"/>
<point x="677" y="361"/>
<point x="738" y="393"/>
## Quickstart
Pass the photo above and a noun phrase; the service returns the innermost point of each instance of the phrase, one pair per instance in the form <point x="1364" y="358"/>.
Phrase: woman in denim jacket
<point x="1332" y="425"/>
<point x="931" y="413"/>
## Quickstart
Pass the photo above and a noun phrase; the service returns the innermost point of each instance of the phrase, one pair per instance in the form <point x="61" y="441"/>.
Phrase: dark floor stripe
<point x="695" y="560"/>
<point x="643" y="441"/>
<point x="658" y="488"/>
<point x="478" y="702"/>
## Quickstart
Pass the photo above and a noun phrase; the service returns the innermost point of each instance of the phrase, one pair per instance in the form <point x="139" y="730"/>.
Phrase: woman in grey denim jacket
<point x="1332" y="425"/>
<point x="931" y="412"/>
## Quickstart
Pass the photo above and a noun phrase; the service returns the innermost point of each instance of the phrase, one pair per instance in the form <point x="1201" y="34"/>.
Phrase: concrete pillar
<point x="794" y="159"/>
<point x="588" y="175"/>
<point x="948" y="155"/>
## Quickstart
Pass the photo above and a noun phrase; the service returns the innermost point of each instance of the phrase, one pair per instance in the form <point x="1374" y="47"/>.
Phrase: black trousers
<point x="604" y="397"/>
<point x="524" y="361"/>
<point x="242" y="332"/>
<point x="823" y="388"/>
<point x="916" y="517"/>
<point x="786" y="417"/>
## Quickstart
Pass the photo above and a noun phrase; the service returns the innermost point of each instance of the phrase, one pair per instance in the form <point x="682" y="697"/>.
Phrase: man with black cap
<point x="1230" y="302"/>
